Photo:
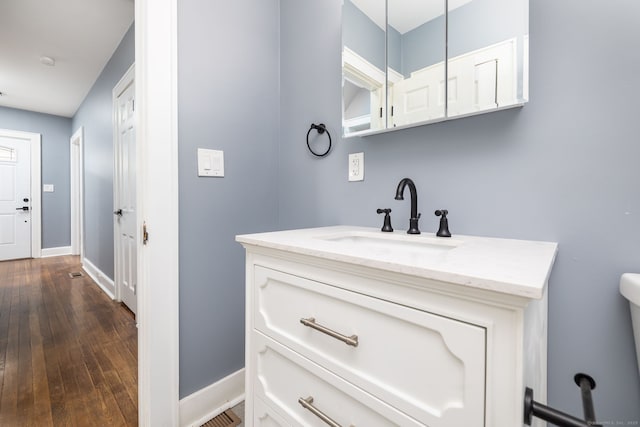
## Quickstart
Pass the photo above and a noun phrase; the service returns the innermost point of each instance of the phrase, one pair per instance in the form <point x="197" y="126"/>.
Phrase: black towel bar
<point x="538" y="410"/>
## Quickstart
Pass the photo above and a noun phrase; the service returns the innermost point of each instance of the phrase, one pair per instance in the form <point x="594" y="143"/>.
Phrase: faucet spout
<point x="413" y="221"/>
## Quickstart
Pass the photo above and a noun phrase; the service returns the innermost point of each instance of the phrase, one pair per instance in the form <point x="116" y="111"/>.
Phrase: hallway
<point x="68" y="353"/>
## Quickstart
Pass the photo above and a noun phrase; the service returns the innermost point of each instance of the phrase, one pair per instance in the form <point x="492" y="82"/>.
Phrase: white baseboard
<point x="209" y="402"/>
<point x="62" y="250"/>
<point x="101" y="279"/>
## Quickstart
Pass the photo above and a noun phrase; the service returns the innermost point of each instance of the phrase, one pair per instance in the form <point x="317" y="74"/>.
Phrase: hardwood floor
<point x="68" y="353"/>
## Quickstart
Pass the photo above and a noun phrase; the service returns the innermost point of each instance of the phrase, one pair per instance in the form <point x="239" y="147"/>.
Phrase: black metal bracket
<point x="538" y="410"/>
<point x="321" y="128"/>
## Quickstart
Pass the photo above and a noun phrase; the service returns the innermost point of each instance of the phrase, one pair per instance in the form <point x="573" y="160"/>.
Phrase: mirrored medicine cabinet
<point x="398" y="54"/>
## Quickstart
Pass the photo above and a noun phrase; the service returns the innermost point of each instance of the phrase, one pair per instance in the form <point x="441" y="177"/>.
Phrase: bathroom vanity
<point x="349" y="326"/>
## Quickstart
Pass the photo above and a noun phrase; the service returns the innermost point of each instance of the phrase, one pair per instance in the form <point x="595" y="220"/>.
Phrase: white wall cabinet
<point x="329" y="341"/>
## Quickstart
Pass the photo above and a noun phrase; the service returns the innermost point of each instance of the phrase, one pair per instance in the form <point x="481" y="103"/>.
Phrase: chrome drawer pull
<point x="311" y="322"/>
<point x="307" y="404"/>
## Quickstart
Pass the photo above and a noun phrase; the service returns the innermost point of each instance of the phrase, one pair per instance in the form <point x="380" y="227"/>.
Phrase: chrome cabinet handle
<point x="311" y="322"/>
<point x="307" y="404"/>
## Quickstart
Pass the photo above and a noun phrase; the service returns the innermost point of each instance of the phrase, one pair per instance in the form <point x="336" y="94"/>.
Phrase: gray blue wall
<point x="95" y="115"/>
<point x="424" y="46"/>
<point x="228" y="99"/>
<point x="477" y="24"/>
<point x="481" y="23"/>
<point x="363" y="36"/>
<point x="563" y="168"/>
<point x="56" y="206"/>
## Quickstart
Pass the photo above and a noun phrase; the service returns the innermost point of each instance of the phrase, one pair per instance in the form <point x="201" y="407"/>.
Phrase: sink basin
<point x="388" y="243"/>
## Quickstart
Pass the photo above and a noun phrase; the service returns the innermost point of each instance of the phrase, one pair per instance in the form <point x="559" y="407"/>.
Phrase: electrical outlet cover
<point x="356" y="167"/>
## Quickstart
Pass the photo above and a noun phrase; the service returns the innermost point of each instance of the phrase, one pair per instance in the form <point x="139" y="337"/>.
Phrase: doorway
<point x="20" y="198"/>
<point x="124" y="198"/>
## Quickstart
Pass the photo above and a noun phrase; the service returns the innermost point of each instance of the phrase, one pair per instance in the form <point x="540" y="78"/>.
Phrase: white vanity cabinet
<point x="342" y="339"/>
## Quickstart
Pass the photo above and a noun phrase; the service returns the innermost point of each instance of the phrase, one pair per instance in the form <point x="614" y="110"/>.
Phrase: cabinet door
<point x="429" y="367"/>
<point x="303" y="392"/>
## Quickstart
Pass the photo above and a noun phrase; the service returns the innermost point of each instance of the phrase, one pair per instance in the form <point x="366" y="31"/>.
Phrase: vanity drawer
<point x="427" y="366"/>
<point x="283" y="379"/>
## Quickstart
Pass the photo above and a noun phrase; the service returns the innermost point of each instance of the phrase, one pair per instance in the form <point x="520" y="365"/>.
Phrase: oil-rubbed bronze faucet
<point x="415" y="216"/>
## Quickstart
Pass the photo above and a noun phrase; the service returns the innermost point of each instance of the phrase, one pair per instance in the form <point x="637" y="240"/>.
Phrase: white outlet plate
<point x="48" y="188"/>
<point x="356" y="167"/>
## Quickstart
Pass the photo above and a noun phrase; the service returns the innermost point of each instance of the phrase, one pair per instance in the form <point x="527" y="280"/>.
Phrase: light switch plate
<point x="210" y="162"/>
<point x="356" y="167"/>
<point x="48" y="188"/>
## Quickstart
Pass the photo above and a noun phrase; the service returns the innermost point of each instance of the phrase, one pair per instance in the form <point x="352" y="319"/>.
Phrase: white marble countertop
<point x="515" y="267"/>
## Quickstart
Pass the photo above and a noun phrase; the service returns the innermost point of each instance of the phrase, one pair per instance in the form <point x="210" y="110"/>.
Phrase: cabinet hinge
<point x="145" y="233"/>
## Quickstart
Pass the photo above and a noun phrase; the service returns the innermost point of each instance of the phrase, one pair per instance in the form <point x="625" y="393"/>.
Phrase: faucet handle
<point x="443" y="230"/>
<point x="387" y="219"/>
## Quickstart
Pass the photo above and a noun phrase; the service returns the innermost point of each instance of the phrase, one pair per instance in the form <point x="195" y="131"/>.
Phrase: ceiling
<point x="405" y="15"/>
<point x="80" y="35"/>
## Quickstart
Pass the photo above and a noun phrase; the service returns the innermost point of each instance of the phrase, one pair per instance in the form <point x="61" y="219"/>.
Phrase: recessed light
<point x="47" y="60"/>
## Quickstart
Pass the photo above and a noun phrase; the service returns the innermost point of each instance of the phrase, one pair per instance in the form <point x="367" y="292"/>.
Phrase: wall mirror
<point x="398" y="54"/>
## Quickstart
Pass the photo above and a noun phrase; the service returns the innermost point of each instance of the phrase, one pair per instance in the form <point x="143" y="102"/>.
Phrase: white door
<point x="419" y="97"/>
<point x="483" y="79"/>
<point x="15" y="198"/>
<point x="125" y="193"/>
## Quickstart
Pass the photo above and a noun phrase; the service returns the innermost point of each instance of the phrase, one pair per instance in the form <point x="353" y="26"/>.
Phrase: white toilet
<point x="630" y="289"/>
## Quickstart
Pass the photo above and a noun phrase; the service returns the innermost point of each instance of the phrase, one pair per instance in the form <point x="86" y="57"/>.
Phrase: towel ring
<point x="321" y="128"/>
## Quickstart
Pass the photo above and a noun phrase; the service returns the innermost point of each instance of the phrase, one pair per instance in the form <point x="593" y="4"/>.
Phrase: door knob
<point x="24" y="208"/>
<point x="118" y="212"/>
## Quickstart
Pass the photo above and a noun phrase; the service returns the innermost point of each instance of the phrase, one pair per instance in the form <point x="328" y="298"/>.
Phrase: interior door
<point x="419" y="97"/>
<point x="15" y="198"/>
<point x="125" y="197"/>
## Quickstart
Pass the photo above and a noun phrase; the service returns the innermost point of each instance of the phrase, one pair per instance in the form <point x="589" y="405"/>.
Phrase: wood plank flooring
<point x="68" y="353"/>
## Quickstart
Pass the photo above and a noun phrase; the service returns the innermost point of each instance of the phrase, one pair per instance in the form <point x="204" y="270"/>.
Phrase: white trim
<point x="361" y="72"/>
<point x="196" y="409"/>
<point x="34" y="140"/>
<point x="59" y="251"/>
<point x="101" y="279"/>
<point x="36" y="196"/>
<point x="76" y="163"/>
<point x="157" y="206"/>
<point x="127" y="80"/>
